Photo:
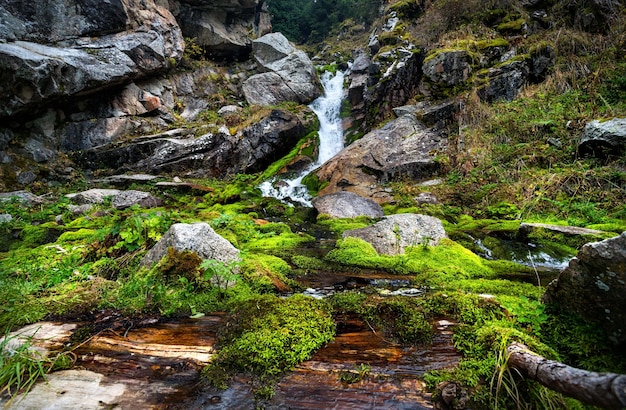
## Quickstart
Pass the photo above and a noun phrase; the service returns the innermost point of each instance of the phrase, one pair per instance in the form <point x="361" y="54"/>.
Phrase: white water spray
<point x="327" y="108"/>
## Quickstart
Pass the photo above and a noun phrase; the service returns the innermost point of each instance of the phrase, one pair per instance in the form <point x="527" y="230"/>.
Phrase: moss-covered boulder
<point x="394" y="233"/>
<point x="593" y="286"/>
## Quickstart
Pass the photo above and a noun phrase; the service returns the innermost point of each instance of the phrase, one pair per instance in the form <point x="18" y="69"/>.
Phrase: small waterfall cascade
<point x="327" y="108"/>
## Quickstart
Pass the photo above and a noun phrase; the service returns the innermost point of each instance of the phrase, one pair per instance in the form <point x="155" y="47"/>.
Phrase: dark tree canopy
<point x="311" y="21"/>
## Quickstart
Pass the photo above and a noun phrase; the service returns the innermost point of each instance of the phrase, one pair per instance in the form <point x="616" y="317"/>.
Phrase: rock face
<point x="394" y="233"/>
<point x="448" y="68"/>
<point x="47" y="55"/>
<point x="347" y="205"/>
<point x="222" y="27"/>
<point x="593" y="285"/>
<point x="504" y="82"/>
<point x="198" y="237"/>
<point x="404" y="147"/>
<point x="289" y="74"/>
<point x="213" y="154"/>
<point x="602" y="139"/>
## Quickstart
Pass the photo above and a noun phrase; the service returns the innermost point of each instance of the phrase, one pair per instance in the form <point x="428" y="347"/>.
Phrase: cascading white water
<point x="327" y="108"/>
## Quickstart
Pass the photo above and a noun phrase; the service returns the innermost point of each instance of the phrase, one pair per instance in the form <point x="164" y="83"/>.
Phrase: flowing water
<point x="327" y="108"/>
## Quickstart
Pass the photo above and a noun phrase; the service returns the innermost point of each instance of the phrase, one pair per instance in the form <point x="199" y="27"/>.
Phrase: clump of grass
<point x="21" y="365"/>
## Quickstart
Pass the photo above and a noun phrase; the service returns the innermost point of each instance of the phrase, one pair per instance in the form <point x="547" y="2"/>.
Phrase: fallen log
<point x="607" y="390"/>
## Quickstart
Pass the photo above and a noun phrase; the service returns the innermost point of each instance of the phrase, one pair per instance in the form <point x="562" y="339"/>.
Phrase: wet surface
<point x="380" y="374"/>
<point x="324" y="284"/>
<point x="145" y="364"/>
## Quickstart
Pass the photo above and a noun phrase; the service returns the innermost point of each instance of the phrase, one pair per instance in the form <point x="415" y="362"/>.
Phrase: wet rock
<point x="394" y="233"/>
<point x="126" y="199"/>
<point x="431" y="114"/>
<point x="603" y="138"/>
<point x="24" y="197"/>
<point x="541" y="61"/>
<point x="42" y="337"/>
<point x="593" y="286"/>
<point x="347" y="205"/>
<point x="198" y="237"/>
<point x="26" y="177"/>
<point x="393" y="77"/>
<point x="93" y="196"/>
<point x="126" y="179"/>
<point x="426" y="198"/>
<point x="452" y="396"/>
<point x="403" y="148"/>
<point x="5" y="218"/>
<point x="289" y="73"/>
<point x="80" y="209"/>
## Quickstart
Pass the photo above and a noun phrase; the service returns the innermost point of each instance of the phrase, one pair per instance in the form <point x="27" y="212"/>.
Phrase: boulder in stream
<point x="593" y="286"/>
<point x="403" y="148"/>
<point x="394" y="233"/>
<point x="199" y="238"/>
<point x="347" y="205"/>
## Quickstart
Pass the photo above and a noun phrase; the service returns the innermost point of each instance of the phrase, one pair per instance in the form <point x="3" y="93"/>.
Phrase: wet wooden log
<point x="607" y="390"/>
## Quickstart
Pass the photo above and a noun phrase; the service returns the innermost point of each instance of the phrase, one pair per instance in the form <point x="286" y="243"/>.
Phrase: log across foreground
<point x="607" y="390"/>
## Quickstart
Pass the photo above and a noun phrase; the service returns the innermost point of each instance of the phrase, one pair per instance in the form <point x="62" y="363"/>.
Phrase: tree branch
<point x="607" y="390"/>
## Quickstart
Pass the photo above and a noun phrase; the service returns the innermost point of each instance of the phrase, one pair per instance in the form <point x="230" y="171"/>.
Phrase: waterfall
<point x="327" y="108"/>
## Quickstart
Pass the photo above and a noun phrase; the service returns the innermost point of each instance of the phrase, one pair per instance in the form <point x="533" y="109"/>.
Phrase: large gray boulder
<point x="347" y="205"/>
<point x="594" y="285"/>
<point x="51" y="52"/>
<point x="199" y="238"/>
<point x="288" y="74"/>
<point x="394" y="233"/>
<point x="603" y="138"/>
<point x="403" y="148"/>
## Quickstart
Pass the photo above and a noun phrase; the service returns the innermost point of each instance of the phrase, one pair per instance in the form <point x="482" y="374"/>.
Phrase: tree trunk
<point x="607" y="390"/>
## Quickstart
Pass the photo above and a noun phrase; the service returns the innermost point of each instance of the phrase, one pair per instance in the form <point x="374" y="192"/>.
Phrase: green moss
<point x="434" y="265"/>
<point x="512" y="26"/>
<point x="267" y="336"/>
<point x="267" y="273"/>
<point x="339" y="225"/>
<point x="407" y="8"/>
<point x="280" y="243"/>
<point x="307" y="146"/>
<point x="491" y="43"/>
<point x="79" y="235"/>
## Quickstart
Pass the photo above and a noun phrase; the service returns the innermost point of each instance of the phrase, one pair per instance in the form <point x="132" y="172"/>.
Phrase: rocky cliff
<point x="87" y="74"/>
